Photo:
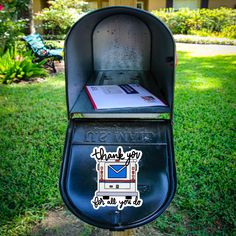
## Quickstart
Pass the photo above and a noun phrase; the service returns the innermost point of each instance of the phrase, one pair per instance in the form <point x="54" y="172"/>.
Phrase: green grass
<point x="33" y="123"/>
<point x="204" y="131"/>
<point x="32" y="131"/>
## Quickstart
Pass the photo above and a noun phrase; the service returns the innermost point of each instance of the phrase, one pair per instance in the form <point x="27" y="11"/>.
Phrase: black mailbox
<point x="118" y="169"/>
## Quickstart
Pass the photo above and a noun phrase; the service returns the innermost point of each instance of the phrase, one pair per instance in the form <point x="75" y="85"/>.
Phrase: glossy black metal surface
<point x="156" y="178"/>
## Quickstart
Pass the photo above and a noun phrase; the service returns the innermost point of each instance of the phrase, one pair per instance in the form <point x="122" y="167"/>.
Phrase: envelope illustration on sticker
<point x="117" y="171"/>
<point x="117" y="178"/>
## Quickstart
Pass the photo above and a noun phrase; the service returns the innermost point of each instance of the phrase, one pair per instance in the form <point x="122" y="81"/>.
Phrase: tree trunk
<point x="28" y="14"/>
<point x="31" y="21"/>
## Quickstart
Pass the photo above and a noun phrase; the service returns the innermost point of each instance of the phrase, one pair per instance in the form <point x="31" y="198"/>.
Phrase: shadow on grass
<point x="33" y="123"/>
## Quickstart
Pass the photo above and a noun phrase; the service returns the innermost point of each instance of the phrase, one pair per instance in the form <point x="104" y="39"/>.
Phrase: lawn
<point x="32" y="130"/>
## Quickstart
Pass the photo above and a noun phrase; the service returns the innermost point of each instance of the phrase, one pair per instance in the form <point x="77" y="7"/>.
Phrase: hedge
<point x="219" y="22"/>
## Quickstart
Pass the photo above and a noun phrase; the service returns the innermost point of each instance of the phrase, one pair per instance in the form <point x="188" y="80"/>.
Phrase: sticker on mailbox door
<point x="117" y="176"/>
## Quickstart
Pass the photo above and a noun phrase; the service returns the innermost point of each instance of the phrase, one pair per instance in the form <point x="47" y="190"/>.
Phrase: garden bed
<point x="181" y="38"/>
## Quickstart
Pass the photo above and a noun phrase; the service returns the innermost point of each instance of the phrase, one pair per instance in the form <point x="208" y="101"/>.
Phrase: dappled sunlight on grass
<point x="207" y="65"/>
<point x="205" y="73"/>
<point x="198" y="83"/>
<point x="207" y="86"/>
<point x="206" y="51"/>
<point x="60" y="82"/>
<point x="205" y="54"/>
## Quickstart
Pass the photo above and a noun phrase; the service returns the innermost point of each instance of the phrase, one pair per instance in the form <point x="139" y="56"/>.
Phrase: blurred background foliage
<point x="220" y="22"/>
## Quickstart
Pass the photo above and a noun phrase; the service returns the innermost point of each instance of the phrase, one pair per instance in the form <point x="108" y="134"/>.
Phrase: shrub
<point x="229" y="32"/>
<point x="15" y="66"/>
<point x="180" y="22"/>
<point x="9" y="30"/>
<point x="60" y="16"/>
<point x="216" y="19"/>
<point x="201" y="21"/>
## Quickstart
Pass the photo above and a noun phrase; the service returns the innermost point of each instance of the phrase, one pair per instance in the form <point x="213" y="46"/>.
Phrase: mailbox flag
<point x="117" y="171"/>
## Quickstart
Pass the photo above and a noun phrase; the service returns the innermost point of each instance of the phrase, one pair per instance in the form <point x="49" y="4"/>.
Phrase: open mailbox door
<point x="118" y="169"/>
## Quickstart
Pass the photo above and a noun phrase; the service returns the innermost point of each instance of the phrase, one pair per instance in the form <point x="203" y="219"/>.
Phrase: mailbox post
<point x="118" y="169"/>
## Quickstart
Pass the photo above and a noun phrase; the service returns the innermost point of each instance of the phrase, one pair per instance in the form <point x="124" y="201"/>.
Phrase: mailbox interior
<point x="119" y="45"/>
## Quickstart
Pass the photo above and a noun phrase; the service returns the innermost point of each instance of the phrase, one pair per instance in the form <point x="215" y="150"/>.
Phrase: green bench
<point x="36" y="43"/>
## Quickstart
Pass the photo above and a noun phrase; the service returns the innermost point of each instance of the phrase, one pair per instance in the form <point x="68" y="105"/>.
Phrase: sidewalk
<point x="206" y="49"/>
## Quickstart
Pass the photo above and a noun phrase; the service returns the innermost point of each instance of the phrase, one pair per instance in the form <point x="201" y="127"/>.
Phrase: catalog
<point x="121" y="96"/>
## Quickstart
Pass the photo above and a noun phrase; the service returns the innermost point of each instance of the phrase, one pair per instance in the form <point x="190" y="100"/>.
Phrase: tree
<point x="20" y="10"/>
<point x="11" y="26"/>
